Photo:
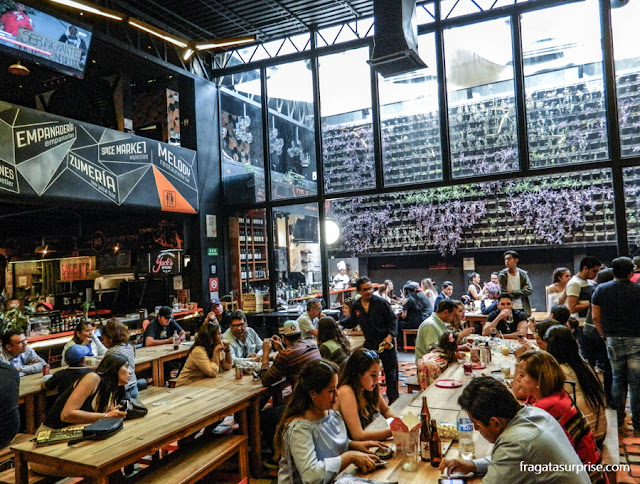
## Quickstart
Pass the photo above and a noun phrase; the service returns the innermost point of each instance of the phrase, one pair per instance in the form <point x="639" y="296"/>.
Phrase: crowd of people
<point x="583" y="358"/>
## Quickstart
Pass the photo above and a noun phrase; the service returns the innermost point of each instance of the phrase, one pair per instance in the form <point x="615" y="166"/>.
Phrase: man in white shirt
<point x="244" y="342"/>
<point x="341" y="279"/>
<point x="580" y="288"/>
<point x="516" y="282"/>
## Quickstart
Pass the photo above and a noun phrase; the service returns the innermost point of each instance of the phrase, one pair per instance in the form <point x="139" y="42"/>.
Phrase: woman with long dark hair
<point x="556" y="291"/>
<point x="208" y="355"/>
<point x="116" y="339"/>
<point x="474" y="289"/>
<point x="83" y="335"/>
<point x="588" y="390"/>
<point x="311" y="437"/>
<point x="96" y="396"/>
<point x="416" y="307"/>
<point x="332" y="343"/>
<point x="359" y="398"/>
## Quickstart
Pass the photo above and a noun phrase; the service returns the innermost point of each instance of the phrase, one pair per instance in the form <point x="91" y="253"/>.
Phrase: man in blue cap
<point x="63" y="379"/>
<point x="217" y="314"/>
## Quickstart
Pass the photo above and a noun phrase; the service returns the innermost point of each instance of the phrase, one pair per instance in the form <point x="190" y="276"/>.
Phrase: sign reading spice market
<point x="42" y="155"/>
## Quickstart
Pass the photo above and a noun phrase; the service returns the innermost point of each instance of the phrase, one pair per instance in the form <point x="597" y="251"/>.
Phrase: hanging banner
<point x="43" y="155"/>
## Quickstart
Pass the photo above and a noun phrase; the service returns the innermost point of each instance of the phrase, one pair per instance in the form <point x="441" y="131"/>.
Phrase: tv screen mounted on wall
<point x="36" y="36"/>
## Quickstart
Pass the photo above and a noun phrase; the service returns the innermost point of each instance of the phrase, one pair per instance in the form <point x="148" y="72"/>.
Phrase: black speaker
<point x="395" y="49"/>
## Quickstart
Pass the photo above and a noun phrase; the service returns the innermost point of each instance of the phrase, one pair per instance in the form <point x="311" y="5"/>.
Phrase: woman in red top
<point x="541" y="378"/>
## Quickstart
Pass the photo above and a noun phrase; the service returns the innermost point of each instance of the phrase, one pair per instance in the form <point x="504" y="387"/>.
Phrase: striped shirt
<point x="289" y="362"/>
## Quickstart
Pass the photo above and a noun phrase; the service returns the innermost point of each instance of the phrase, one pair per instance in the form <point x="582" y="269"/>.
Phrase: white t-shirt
<point x="513" y="284"/>
<point x="574" y="286"/>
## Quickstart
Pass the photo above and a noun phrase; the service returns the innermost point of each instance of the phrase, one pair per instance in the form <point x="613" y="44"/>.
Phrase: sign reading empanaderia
<point x="42" y="155"/>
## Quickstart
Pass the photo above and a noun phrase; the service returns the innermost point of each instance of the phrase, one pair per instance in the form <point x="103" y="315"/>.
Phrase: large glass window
<point x="564" y="87"/>
<point x="292" y="154"/>
<point x="482" y="115"/>
<point x="626" y="47"/>
<point x="632" y="205"/>
<point x="410" y="123"/>
<point x="241" y="137"/>
<point x="297" y="251"/>
<point x="347" y="132"/>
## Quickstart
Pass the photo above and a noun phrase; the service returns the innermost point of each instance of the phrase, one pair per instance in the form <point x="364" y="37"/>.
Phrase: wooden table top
<point x="186" y="409"/>
<point x="393" y="471"/>
<point x="31" y="384"/>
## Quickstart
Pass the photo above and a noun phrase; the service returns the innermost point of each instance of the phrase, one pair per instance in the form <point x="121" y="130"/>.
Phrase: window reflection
<point x="482" y="116"/>
<point x="241" y="137"/>
<point x="410" y="122"/>
<point x="347" y="132"/>
<point x="626" y="47"/>
<point x="297" y="252"/>
<point x="564" y="85"/>
<point x="292" y="156"/>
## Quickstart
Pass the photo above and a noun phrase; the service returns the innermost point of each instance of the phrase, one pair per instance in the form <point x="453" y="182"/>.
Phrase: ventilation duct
<point x="395" y="48"/>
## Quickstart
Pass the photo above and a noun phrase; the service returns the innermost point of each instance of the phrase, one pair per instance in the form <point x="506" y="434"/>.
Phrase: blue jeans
<point x="624" y="354"/>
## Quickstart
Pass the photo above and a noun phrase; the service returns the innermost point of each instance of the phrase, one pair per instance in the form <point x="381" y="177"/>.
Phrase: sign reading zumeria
<point x="42" y="155"/>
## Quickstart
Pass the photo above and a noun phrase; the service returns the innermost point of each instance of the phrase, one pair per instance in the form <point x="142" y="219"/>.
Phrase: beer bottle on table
<point x="425" y="410"/>
<point x="425" y="436"/>
<point x="435" y="446"/>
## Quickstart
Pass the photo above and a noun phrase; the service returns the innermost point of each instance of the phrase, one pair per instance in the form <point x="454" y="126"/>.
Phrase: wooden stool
<point x="412" y="384"/>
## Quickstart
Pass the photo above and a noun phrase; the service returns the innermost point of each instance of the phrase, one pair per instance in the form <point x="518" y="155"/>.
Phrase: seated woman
<point x="431" y="365"/>
<point x="416" y="307"/>
<point x="208" y="355"/>
<point x="359" y="398"/>
<point x="116" y="338"/>
<point x="541" y="378"/>
<point x="83" y="335"/>
<point x="311" y="437"/>
<point x="332" y="343"/>
<point x="589" y="394"/>
<point x="97" y="395"/>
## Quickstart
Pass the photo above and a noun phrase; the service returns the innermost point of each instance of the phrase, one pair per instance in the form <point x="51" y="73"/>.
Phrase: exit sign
<point x="212" y="251"/>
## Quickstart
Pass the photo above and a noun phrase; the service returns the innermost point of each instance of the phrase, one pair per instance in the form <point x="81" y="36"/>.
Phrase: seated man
<point x="16" y="353"/>
<point x="432" y="328"/>
<point x="9" y="413"/>
<point x="217" y="314"/>
<point x="528" y="441"/>
<point x="161" y="328"/>
<point x="506" y="319"/>
<point x="244" y="343"/>
<point x="63" y="379"/>
<point x="294" y="353"/>
<point x="308" y="321"/>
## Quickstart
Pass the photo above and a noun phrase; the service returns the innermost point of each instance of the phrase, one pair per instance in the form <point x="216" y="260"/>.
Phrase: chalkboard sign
<point x="119" y="260"/>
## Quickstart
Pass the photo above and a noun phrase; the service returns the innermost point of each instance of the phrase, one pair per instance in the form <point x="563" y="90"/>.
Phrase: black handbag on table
<point x="100" y="430"/>
<point x="134" y="408"/>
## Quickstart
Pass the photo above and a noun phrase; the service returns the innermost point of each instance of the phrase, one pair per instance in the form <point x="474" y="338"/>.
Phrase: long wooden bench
<point x="611" y="445"/>
<point x="193" y="462"/>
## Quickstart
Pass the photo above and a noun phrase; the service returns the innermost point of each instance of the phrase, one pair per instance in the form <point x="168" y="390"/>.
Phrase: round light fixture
<point x="331" y="231"/>
<point x="19" y="70"/>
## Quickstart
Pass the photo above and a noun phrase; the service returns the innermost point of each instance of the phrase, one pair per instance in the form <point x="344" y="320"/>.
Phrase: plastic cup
<point x="409" y="457"/>
<point x="468" y="367"/>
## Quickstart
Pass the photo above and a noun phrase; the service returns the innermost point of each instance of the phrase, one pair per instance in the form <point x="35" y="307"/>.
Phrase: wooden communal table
<point x="154" y="357"/>
<point x="251" y="391"/>
<point x="447" y="398"/>
<point x="187" y="410"/>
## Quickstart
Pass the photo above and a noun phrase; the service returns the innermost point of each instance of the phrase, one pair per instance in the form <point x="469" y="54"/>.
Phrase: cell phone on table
<point x="382" y="463"/>
<point x="451" y="480"/>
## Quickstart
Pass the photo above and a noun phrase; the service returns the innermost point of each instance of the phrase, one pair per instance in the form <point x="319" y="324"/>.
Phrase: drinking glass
<point x="409" y="456"/>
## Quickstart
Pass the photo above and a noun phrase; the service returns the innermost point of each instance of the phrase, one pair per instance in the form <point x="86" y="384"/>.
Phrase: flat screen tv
<point x="36" y="36"/>
<point x="305" y="230"/>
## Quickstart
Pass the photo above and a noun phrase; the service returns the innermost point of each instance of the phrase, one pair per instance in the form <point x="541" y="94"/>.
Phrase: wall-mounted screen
<point x="34" y="35"/>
